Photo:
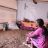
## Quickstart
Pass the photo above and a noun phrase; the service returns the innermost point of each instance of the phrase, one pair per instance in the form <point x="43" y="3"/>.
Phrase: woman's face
<point x="37" y="24"/>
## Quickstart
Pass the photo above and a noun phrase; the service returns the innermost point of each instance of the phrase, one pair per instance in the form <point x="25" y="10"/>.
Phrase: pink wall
<point x="9" y="3"/>
<point x="7" y="15"/>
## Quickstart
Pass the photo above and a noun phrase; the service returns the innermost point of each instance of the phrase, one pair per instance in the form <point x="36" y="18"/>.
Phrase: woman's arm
<point x="36" y="33"/>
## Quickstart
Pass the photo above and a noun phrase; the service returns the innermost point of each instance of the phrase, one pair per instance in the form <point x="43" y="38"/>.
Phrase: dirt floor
<point x="12" y="39"/>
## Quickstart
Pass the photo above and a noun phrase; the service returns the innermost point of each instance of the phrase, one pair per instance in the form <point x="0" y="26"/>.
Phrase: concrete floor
<point x="12" y="39"/>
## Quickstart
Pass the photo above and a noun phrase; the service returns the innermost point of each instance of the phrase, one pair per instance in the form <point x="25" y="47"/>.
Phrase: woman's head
<point x="40" y="22"/>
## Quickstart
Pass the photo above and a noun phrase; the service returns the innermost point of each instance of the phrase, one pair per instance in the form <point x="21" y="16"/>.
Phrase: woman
<point x="37" y="38"/>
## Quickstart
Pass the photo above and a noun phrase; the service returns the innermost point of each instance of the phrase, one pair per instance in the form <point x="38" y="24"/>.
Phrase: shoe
<point x="24" y="43"/>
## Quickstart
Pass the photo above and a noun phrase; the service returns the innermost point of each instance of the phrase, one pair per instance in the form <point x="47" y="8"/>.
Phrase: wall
<point x="8" y="10"/>
<point x="9" y="3"/>
<point x="7" y="15"/>
<point x="31" y="11"/>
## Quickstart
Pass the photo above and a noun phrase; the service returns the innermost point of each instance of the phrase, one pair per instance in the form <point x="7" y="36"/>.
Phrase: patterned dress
<point x="36" y="38"/>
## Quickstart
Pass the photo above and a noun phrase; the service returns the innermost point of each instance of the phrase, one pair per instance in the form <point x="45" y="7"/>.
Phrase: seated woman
<point x="37" y="37"/>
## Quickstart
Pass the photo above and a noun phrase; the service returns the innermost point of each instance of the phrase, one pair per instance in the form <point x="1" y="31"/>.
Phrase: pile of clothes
<point x="26" y="24"/>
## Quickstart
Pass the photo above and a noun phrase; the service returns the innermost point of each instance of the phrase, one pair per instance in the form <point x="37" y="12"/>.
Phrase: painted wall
<point x="31" y="11"/>
<point x="9" y="3"/>
<point x="8" y="14"/>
